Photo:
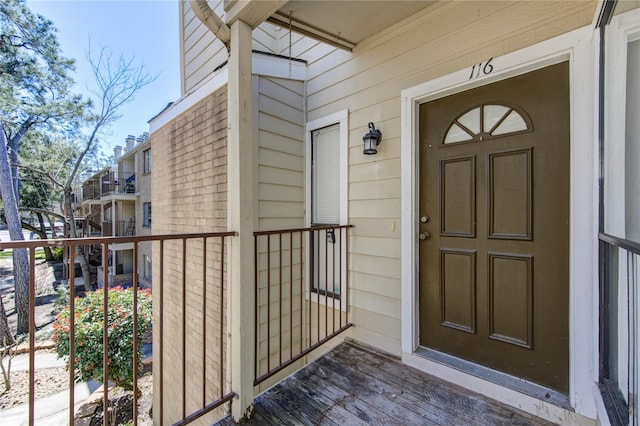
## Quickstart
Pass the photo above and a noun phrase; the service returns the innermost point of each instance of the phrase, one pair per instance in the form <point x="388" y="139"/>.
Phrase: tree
<point x="35" y="93"/>
<point x="6" y="338"/>
<point x="20" y="260"/>
<point x="38" y="196"/>
<point x="117" y="82"/>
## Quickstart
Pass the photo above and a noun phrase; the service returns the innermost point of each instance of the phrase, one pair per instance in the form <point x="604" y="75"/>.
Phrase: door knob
<point x="424" y="236"/>
<point x="424" y="219"/>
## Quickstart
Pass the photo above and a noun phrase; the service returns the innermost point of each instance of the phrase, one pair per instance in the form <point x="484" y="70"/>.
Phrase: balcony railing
<point x="205" y="249"/>
<point x="620" y="328"/>
<point x="119" y="228"/>
<point x="301" y="293"/>
<point x="118" y="183"/>
<point x="91" y="192"/>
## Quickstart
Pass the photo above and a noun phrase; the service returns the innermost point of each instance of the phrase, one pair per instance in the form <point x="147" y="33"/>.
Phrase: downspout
<point x="212" y="21"/>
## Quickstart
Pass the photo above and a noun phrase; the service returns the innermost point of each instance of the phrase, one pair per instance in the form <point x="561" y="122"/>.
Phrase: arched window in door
<point x="488" y="121"/>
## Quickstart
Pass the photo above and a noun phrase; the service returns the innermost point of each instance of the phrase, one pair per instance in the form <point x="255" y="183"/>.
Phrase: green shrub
<point x="57" y="253"/>
<point x="89" y="322"/>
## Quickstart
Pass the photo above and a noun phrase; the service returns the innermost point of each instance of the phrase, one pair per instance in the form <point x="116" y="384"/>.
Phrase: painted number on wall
<point x="481" y="69"/>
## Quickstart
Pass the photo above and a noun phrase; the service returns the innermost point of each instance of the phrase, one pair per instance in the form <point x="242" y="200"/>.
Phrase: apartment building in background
<point x="117" y="202"/>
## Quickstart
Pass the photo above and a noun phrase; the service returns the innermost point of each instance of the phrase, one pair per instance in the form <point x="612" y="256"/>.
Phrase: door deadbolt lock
<point x="424" y="219"/>
<point x="424" y="236"/>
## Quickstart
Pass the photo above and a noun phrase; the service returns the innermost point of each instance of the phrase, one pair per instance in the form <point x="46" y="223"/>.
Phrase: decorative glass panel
<point x="471" y="120"/>
<point x="456" y="134"/>
<point x="492" y="115"/>
<point x="513" y="123"/>
<point x="486" y="122"/>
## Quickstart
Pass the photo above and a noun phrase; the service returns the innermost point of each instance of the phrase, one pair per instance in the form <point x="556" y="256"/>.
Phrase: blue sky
<point x="146" y="30"/>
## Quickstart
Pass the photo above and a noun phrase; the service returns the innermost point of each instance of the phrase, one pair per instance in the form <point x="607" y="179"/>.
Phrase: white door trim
<point x="577" y="47"/>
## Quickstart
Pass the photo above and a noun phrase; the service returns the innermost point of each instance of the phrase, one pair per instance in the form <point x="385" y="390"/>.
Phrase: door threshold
<point x="499" y="378"/>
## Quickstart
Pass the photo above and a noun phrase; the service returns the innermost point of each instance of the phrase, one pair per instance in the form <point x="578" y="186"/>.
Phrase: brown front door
<point x="494" y="223"/>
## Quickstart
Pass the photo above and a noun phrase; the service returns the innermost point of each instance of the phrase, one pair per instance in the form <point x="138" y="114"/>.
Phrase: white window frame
<point x="621" y="31"/>
<point x="147" y="262"/>
<point x="146" y="161"/>
<point x="146" y="214"/>
<point x="342" y="119"/>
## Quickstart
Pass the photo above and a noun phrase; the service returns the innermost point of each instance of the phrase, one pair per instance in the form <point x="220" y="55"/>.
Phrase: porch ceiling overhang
<point x="343" y="24"/>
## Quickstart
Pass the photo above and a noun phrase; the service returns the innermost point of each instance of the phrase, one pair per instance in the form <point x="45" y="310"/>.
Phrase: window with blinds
<point x="325" y="175"/>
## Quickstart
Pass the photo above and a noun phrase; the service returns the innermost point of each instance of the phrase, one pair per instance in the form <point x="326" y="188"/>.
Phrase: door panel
<point x="458" y="197"/>
<point x="494" y="182"/>
<point x="510" y="298"/>
<point x="458" y="289"/>
<point x="509" y="192"/>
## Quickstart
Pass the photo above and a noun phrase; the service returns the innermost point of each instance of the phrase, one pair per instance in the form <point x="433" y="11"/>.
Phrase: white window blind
<point x="325" y="175"/>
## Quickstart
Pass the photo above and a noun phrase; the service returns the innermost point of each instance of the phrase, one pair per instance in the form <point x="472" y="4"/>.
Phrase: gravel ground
<point x="48" y="381"/>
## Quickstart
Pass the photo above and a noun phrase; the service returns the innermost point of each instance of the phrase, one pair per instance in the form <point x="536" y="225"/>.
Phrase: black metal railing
<point x="619" y="328"/>
<point x="118" y="183"/>
<point x="301" y="293"/>
<point x="90" y="192"/>
<point x="205" y="249"/>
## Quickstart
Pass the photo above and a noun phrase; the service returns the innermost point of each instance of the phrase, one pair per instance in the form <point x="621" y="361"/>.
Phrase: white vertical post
<point x="240" y="218"/>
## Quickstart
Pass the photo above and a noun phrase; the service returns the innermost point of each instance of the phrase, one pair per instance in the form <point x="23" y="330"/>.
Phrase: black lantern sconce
<point x="371" y="140"/>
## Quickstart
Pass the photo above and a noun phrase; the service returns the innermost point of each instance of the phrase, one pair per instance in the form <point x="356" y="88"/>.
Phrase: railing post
<point x="240" y="217"/>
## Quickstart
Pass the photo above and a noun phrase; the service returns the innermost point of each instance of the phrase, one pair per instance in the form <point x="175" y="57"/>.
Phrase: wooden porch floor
<point x="352" y="385"/>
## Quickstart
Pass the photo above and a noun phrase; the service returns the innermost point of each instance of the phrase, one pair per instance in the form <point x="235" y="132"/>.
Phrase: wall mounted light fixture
<point x="371" y="140"/>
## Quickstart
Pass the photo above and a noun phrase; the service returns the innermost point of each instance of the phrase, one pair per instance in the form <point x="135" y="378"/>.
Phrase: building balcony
<point x="300" y="297"/>
<point x="119" y="228"/>
<point x="118" y="183"/>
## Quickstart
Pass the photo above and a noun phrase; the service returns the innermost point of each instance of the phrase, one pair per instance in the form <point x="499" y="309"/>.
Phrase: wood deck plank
<point x="313" y="408"/>
<point x="337" y="407"/>
<point x="318" y="408"/>
<point x="354" y="385"/>
<point x="406" y="402"/>
<point x="366" y="407"/>
<point x="457" y="399"/>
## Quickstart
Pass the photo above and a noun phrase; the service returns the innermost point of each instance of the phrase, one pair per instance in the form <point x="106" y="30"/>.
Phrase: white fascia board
<point x="276" y="66"/>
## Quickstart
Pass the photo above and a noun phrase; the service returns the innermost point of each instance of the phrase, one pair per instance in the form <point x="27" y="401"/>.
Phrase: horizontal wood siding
<point x="279" y="118"/>
<point x="280" y="122"/>
<point x="444" y="38"/>
<point x="202" y="52"/>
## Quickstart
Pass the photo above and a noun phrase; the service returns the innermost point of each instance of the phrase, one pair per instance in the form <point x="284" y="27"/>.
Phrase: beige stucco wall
<point x="444" y="38"/>
<point x="189" y="195"/>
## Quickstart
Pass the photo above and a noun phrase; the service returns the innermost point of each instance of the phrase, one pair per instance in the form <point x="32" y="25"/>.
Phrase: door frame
<point x="579" y="48"/>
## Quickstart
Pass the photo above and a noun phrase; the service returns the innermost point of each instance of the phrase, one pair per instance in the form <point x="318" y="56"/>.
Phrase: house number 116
<point x="483" y="68"/>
